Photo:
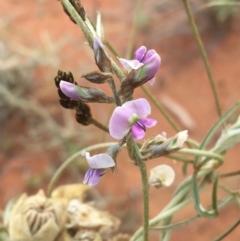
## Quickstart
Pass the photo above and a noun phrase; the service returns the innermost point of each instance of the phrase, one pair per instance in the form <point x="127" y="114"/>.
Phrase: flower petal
<point x="129" y="65"/>
<point x="99" y="161"/>
<point x="140" y="53"/>
<point x="92" y="176"/>
<point x="152" y="65"/>
<point x="70" y="90"/>
<point x="148" y="122"/>
<point x="140" y="106"/>
<point x="151" y="81"/>
<point x="119" y="122"/>
<point x="148" y="55"/>
<point x="137" y="132"/>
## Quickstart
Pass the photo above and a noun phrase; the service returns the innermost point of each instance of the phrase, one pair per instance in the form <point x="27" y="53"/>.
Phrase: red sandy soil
<point x="182" y="77"/>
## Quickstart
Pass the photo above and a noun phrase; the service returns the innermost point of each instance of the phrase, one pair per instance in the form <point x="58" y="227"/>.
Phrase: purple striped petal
<point x="119" y="124"/>
<point x="137" y="132"/>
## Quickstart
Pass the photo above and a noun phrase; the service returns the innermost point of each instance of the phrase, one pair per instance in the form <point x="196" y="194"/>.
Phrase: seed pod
<point x="98" y="77"/>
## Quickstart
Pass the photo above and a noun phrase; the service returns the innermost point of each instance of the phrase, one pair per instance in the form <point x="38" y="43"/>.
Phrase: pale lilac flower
<point x="131" y="115"/>
<point x="149" y="59"/>
<point x="98" y="166"/>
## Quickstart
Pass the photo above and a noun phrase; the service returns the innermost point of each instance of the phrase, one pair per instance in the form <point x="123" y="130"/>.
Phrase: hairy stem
<point x="145" y="187"/>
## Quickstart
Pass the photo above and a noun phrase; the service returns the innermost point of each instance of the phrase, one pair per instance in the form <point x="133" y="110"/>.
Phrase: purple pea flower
<point x="131" y="116"/>
<point x="98" y="166"/>
<point x="149" y="59"/>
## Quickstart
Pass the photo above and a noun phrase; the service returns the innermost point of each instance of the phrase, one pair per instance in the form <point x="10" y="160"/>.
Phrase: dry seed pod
<point x="83" y="219"/>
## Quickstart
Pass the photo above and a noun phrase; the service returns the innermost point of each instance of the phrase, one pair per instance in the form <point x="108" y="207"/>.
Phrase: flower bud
<point x="35" y="218"/>
<point x="65" y="101"/>
<point x="160" y="146"/>
<point x="101" y="57"/>
<point x="98" y="77"/>
<point x="85" y="94"/>
<point x="162" y="175"/>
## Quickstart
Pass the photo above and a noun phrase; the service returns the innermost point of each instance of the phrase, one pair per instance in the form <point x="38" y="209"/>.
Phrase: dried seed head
<point x="87" y="221"/>
<point x="35" y="218"/>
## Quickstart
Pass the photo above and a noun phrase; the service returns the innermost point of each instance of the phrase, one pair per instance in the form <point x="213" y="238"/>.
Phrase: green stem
<point x="113" y="87"/>
<point x="88" y="35"/>
<point x="133" y="30"/>
<point x="203" y="54"/>
<point x="145" y="187"/>
<point x="229" y="174"/>
<point x="99" y="125"/>
<point x="70" y="160"/>
<point x="228" y="231"/>
<point x="161" y="109"/>
<point x="197" y="152"/>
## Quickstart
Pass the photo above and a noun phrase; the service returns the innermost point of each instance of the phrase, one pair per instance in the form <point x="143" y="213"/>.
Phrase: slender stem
<point x="202" y="153"/>
<point x="228" y="231"/>
<point x="70" y="160"/>
<point x="176" y="225"/>
<point x="113" y="87"/>
<point x="99" y="125"/>
<point x="203" y="54"/>
<point x="161" y="109"/>
<point x="145" y="187"/>
<point x="134" y="29"/>
<point x="229" y="174"/>
<point x="72" y="11"/>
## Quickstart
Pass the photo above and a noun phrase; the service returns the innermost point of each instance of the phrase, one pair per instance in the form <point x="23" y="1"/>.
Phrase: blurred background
<point x="37" y="134"/>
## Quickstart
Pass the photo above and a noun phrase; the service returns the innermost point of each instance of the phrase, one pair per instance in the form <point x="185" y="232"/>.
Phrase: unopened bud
<point x="101" y="57"/>
<point x="85" y="94"/>
<point x="141" y="75"/>
<point x="162" y="175"/>
<point x="98" y="77"/>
